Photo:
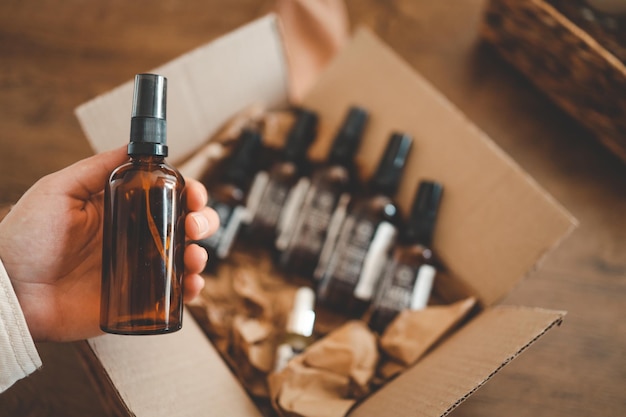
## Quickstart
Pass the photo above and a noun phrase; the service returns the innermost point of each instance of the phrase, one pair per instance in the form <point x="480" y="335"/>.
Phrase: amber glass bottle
<point x="350" y="272"/>
<point x="144" y="235"/>
<point x="325" y="201"/>
<point x="227" y="195"/>
<point x="408" y="278"/>
<point x="278" y="182"/>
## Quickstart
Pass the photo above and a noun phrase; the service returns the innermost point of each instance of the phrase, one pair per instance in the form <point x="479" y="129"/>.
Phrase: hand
<point x="51" y="247"/>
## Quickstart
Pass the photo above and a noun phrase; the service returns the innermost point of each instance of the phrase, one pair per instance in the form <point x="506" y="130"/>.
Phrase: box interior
<point x="495" y="222"/>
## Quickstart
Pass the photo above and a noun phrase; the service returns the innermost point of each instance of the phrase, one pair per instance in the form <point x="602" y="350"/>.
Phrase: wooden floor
<point x="56" y="55"/>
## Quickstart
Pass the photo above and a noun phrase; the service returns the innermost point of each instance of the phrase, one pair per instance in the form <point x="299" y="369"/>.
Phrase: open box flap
<point x="206" y="87"/>
<point x="439" y="382"/>
<point x="180" y="374"/>
<point x="495" y="222"/>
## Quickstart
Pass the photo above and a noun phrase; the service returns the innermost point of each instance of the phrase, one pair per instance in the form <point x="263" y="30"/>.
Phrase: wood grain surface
<point x="56" y="55"/>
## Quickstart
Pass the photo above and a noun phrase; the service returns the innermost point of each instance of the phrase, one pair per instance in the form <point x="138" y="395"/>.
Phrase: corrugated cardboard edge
<point x="462" y="364"/>
<point x="107" y="393"/>
<point x="206" y="87"/>
<point x="556" y="322"/>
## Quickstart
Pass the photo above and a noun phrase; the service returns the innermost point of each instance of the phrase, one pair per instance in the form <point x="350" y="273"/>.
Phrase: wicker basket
<point x="580" y="72"/>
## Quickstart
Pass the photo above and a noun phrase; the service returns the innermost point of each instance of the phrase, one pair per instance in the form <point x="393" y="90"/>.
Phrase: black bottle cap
<point x="301" y="136"/>
<point x="424" y="213"/>
<point x="348" y="137"/>
<point x="148" y="125"/>
<point x="389" y="171"/>
<point x="242" y="163"/>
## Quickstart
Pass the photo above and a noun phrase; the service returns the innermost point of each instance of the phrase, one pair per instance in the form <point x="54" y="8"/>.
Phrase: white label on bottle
<point x="230" y="231"/>
<point x="395" y="288"/>
<point x="423" y="287"/>
<point x="330" y="243"/>
<point x="271" y="204"/>
<point x="254" y="195"/>
<point x="289" y="214"/>
<point x="375" y="260"/>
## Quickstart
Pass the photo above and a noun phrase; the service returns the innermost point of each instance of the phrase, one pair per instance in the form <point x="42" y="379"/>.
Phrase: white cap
<point x="302" y="317"/>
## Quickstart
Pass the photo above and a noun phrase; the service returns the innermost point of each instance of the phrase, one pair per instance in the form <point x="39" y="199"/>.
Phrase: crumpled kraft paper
<point x="330" y="376"/>
<point x="412" y="333"/>
<point x="242" y="308"/>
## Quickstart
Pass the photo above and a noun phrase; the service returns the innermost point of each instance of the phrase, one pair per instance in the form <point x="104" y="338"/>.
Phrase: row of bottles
<point x="321" y="225"/>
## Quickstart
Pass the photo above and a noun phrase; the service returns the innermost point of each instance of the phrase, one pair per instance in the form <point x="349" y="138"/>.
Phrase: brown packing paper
<point x="350" y="351"/>
<point x="310" y="392"/>
<point x="252" y="353"/>
<point x="243" y="308"/>
<point x="330" y="376"/>
<point x="412" y="333"/>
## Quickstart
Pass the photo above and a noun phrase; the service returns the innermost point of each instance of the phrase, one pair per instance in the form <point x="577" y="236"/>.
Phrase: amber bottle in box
<point x="408" y="277"/>
<point x="281" y="186"/>
<point x="144" y="235"/>
<point x="349" y="269"/>
<point x="228" y="193"/>
<point x="324" y="203"/>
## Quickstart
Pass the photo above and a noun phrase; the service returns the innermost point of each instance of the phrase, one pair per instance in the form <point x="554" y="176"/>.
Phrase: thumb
<point x="88" y="176"/>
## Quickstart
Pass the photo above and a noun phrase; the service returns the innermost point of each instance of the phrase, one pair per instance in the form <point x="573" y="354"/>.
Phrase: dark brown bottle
<point x="271" y="189"/>
<point x="408" y="278"/>
<point x="325" y="201"/>
<point x="227" y="196"/>
<point x="349" y="274"/>
<point x="144" y="235"/>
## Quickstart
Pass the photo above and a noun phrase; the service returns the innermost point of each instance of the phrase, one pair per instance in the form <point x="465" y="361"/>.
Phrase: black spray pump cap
<point x="242" y="163"/>
<point x="389" y="171"/>
<point x="301" y="135"/>
<point x="348" y="137"/>
<point x="148" y="126"/>
<point x="423" y="214"/>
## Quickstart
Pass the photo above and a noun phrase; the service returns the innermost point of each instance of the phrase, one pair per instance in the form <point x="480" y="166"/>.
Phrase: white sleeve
<point x="18" y="355"/>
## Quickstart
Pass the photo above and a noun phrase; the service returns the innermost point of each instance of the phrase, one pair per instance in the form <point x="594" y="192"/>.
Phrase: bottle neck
<point x="147" y="159"/>
<point x="377" y="188"/>
<point x="418" y="235"/>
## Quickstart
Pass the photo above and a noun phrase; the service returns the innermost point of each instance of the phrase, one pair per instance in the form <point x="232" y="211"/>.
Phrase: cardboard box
<point x="495" y="225"/>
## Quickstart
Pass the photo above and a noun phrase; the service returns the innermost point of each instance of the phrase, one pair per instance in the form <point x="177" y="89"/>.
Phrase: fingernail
<point x="205" y="194"/>
<point x="201" y="223"/>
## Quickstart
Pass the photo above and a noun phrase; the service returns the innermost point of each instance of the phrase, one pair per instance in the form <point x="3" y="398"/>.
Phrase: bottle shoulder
<point x="414" y="254"/>
<point x="284" y="172"/>
<point x="156" y="167"/>
<point x="334" y="178"/>
<point x="152" y="171"/>
<point x="376" y="207"/>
